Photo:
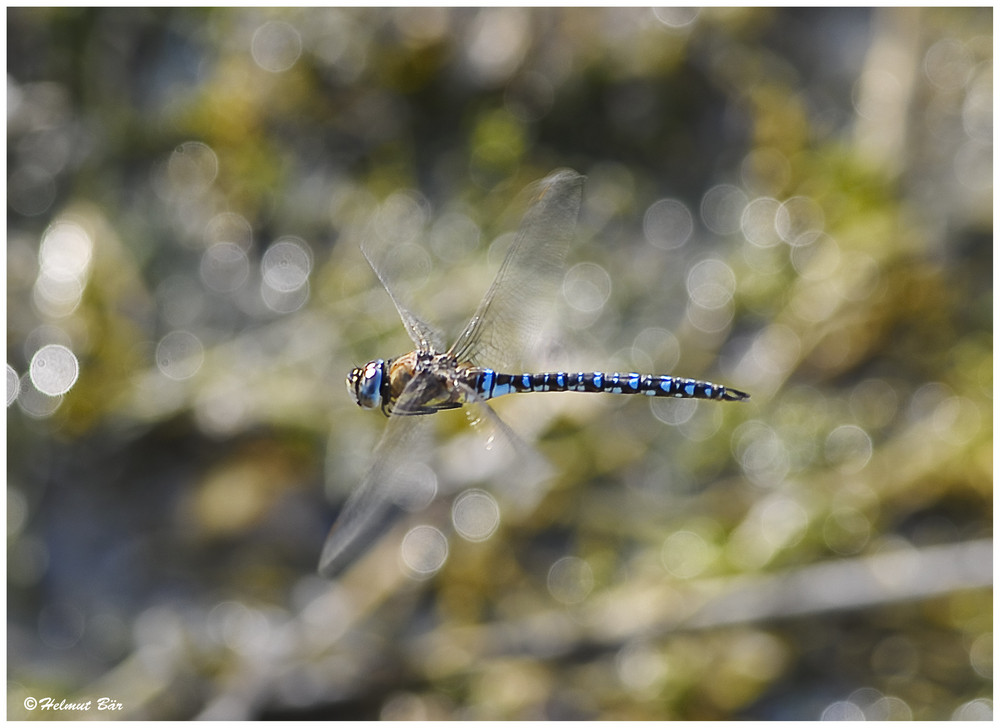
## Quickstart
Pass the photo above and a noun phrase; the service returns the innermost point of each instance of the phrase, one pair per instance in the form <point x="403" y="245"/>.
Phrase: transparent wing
<point x="514" y="307"/>
<point x="399" y="478"/>
<point x="425" y="336"/>
<point x="521" y="470"/>
<point x="396" y="469"/>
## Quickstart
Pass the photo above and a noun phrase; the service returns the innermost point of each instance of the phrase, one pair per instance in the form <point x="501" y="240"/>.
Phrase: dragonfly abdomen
<point x="492" y="384"/>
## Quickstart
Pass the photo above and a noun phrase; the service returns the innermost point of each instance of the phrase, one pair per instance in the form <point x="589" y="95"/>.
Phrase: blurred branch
<point x="631" y="613"/>
<point x="657" y="610"/>
<point x="885" y="88"/>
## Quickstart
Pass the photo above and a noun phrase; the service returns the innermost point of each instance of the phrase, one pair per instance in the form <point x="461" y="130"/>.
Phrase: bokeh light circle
<point x="570" y="580"/>
<point x="722" y="209"/>
<point x="417" y="486"/>
<point x="276" y="46"/>
<point x="668" y="224"/>
<point x="54" y="370"/>
<point x="224" y="267"/>
<point x="13" y="385"/>
<point x="587" y="287"/>
<point x="179" y="355"/>
<point x="286" y="264"/>
<point x="475" y="515"/>
<point x="424" y="551"/>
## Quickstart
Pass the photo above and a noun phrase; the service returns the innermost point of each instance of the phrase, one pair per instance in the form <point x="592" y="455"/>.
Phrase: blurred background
<point x="792" y="202"/>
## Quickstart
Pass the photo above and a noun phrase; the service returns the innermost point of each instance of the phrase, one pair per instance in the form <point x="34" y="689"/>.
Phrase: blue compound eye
<point x="365" y="384"/>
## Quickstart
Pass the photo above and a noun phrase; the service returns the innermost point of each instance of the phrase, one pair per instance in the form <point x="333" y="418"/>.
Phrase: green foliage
<point x="819" y="548"/>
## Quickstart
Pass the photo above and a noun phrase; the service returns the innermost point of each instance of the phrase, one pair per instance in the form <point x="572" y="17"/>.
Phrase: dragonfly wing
<point x="513" y="309"/>
<point x="397" y="468"/>
<point x="425" y="336"/>
<point x="524" y="469"/>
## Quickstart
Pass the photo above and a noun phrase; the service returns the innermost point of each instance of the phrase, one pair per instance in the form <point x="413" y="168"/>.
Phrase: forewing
<point x="425" y="336"/>
<point x="513" y="309"/>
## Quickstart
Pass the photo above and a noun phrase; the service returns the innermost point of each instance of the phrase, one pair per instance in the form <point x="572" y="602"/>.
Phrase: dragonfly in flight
<point x="477" y="367"/>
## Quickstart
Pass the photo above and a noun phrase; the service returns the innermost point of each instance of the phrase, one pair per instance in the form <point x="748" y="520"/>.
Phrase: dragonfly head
<point x="365" y="384"/>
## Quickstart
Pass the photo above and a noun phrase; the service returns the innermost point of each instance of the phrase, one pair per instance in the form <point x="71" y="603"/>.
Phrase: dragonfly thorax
<point x="365" y="384"/>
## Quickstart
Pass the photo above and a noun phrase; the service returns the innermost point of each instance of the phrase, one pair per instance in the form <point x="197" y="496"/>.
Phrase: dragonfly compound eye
<point x="365" y="384"/>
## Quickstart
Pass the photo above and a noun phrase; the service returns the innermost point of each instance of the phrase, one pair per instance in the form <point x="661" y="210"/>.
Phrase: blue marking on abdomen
<point x="486" y="381"/>
<point x="503" y="387"/>
<point x="490" y="383"/>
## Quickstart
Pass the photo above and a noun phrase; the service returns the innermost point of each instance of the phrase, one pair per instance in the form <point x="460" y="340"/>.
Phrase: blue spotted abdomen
<point x="491" y="384"/>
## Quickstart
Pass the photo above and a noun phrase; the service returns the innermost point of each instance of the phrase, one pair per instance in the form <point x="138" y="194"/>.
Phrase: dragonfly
<point x="476" y="367"/>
